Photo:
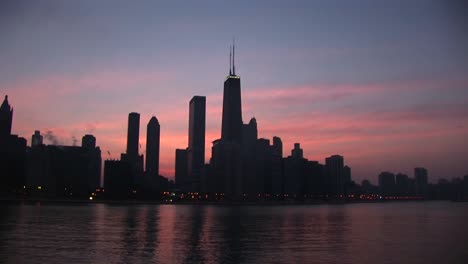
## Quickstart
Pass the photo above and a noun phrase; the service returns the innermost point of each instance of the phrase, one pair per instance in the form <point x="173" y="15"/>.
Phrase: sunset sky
<point x="383" y="83"/>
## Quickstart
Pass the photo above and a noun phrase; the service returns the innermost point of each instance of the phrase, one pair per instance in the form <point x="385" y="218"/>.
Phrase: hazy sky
<point x="383" y="83"/>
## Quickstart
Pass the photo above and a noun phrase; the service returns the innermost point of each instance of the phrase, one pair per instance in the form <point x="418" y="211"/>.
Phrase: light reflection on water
<point x="430" y="232"/>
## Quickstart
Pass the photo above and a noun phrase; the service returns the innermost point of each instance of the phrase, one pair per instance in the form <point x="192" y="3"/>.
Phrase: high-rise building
<point x="232" y="109"/>
<point x="152" y="147"/>
<point x="36" y="139"/>
<point x="226" y="159"/>
<point x="277" y="147"/>
<point x="6" y="119"/>
<point x="196" y="140"/>
<point x="277" y="180"/>
<point x="334" y="166"/>
<point x="420" y="178"/>
<point x="387" y="183"/>
<point x="132" y="156"/>
<point x="133" y="134"/>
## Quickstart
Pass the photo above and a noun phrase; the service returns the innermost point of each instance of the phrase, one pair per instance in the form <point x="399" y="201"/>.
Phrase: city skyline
<point x="378" y="116"/>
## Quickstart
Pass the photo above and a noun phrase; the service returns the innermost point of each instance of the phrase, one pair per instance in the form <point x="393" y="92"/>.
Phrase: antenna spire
<point x="230" y="60"/>
<point x="233" y="56"/>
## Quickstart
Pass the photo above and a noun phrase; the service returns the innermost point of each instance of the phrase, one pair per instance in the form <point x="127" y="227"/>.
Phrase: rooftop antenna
<point x="233" y="57"/>
<point x="230" y="59"/>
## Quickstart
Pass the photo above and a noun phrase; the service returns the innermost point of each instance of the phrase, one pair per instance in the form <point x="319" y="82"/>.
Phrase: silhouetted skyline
<point x="381" y="83"/>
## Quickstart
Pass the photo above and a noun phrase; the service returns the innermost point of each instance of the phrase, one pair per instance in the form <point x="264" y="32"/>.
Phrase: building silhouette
<point x="88" y="142"/>
<point x="226" y="159"/>
<point x="6" y="119"/>
<point x="133" y="134"/>
<point x="36" y="139"/>
<point x="334" y="167"/>
<point x="232" y="107"/>
<point x="132" y="156"/>
<point x="420" y="180"/>
<point x="152" y="147"/>
<point x="181" y="170"/>
<point x="12" y="153"/>
<point x="117" y="178"/>
<point x="196" y="141"/>
<point x="387" y="183"/>
<point x="64" y="171"/>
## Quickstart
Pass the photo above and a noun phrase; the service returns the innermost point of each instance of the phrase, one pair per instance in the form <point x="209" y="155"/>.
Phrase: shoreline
<point x="49" y="201"/>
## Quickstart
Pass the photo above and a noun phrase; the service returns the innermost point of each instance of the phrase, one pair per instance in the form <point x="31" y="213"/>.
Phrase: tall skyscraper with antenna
<point x="226" y="162"/>
<point x="232" y="108"/>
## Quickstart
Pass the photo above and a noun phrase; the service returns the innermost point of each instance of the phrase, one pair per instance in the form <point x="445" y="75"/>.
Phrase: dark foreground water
<point x="420" y="232"/>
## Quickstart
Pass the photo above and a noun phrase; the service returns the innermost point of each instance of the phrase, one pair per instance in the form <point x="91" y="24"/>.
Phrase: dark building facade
<point x="63" y="171"/>
<point x="232" y="109"/>
<point x="88" y="142"/>
<point x="132" y="156"/>
<point x="196" y="141"/>
<point x="117" y="178"/>
<point x="12" y="153"/>
<point x="36" y="139"/>
<point x="152" y="147"/>
<point x="420" y="180"/>
<point x="226" y="159"/>
<point x="181" y="170"/>
<point x="387" y="183"/>
<point x="334" y="166"/>
<point x="6" y="119"/>
<point x="133" y="134"/>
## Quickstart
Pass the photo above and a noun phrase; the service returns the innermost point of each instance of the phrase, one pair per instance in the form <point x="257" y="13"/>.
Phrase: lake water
<point x="410" y="232"/>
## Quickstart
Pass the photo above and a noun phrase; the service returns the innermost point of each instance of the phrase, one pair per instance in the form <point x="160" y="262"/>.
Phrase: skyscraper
<point x="196" y="144"/>
<point x="232" y="110"/>
<point x="334" y="166"/>
<point x="226" y="160"/>
<point x="6" y="119"/>
<point x="152" y="147"/>
<point x="132" y="156"/>
<point x="133" y="134"/>
<point x="420" y="178"/>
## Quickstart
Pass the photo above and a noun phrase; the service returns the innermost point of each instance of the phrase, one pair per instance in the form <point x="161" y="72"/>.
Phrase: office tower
<point x="36" y="139"/>
<point x="152" y="147"/>
<point x="297" y="151"/>
<point x="295" y="169"/>
<point x="132" y="156"/>
<point x="277" y="147"/>
<point x="6" y="119"/>
<point x="232" y="109"/>
<point x="402" y="184"/>
<point x="94" y="162"/>
<point x="277" y="167"/>
<point x="181" y="169"/>
<point x="334" y="168"/>
<point x="88" y="142"/>
<point x="248" y="153"/>
<point x="196" y="140"/>
<point x="387" y="183"/>
<point x="420" y="178"/>
<point x="226" y="161"/>
<point x="133" y="134"/>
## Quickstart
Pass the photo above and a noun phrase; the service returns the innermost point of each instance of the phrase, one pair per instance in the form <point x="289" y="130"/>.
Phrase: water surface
<point x="410" y="232"/>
